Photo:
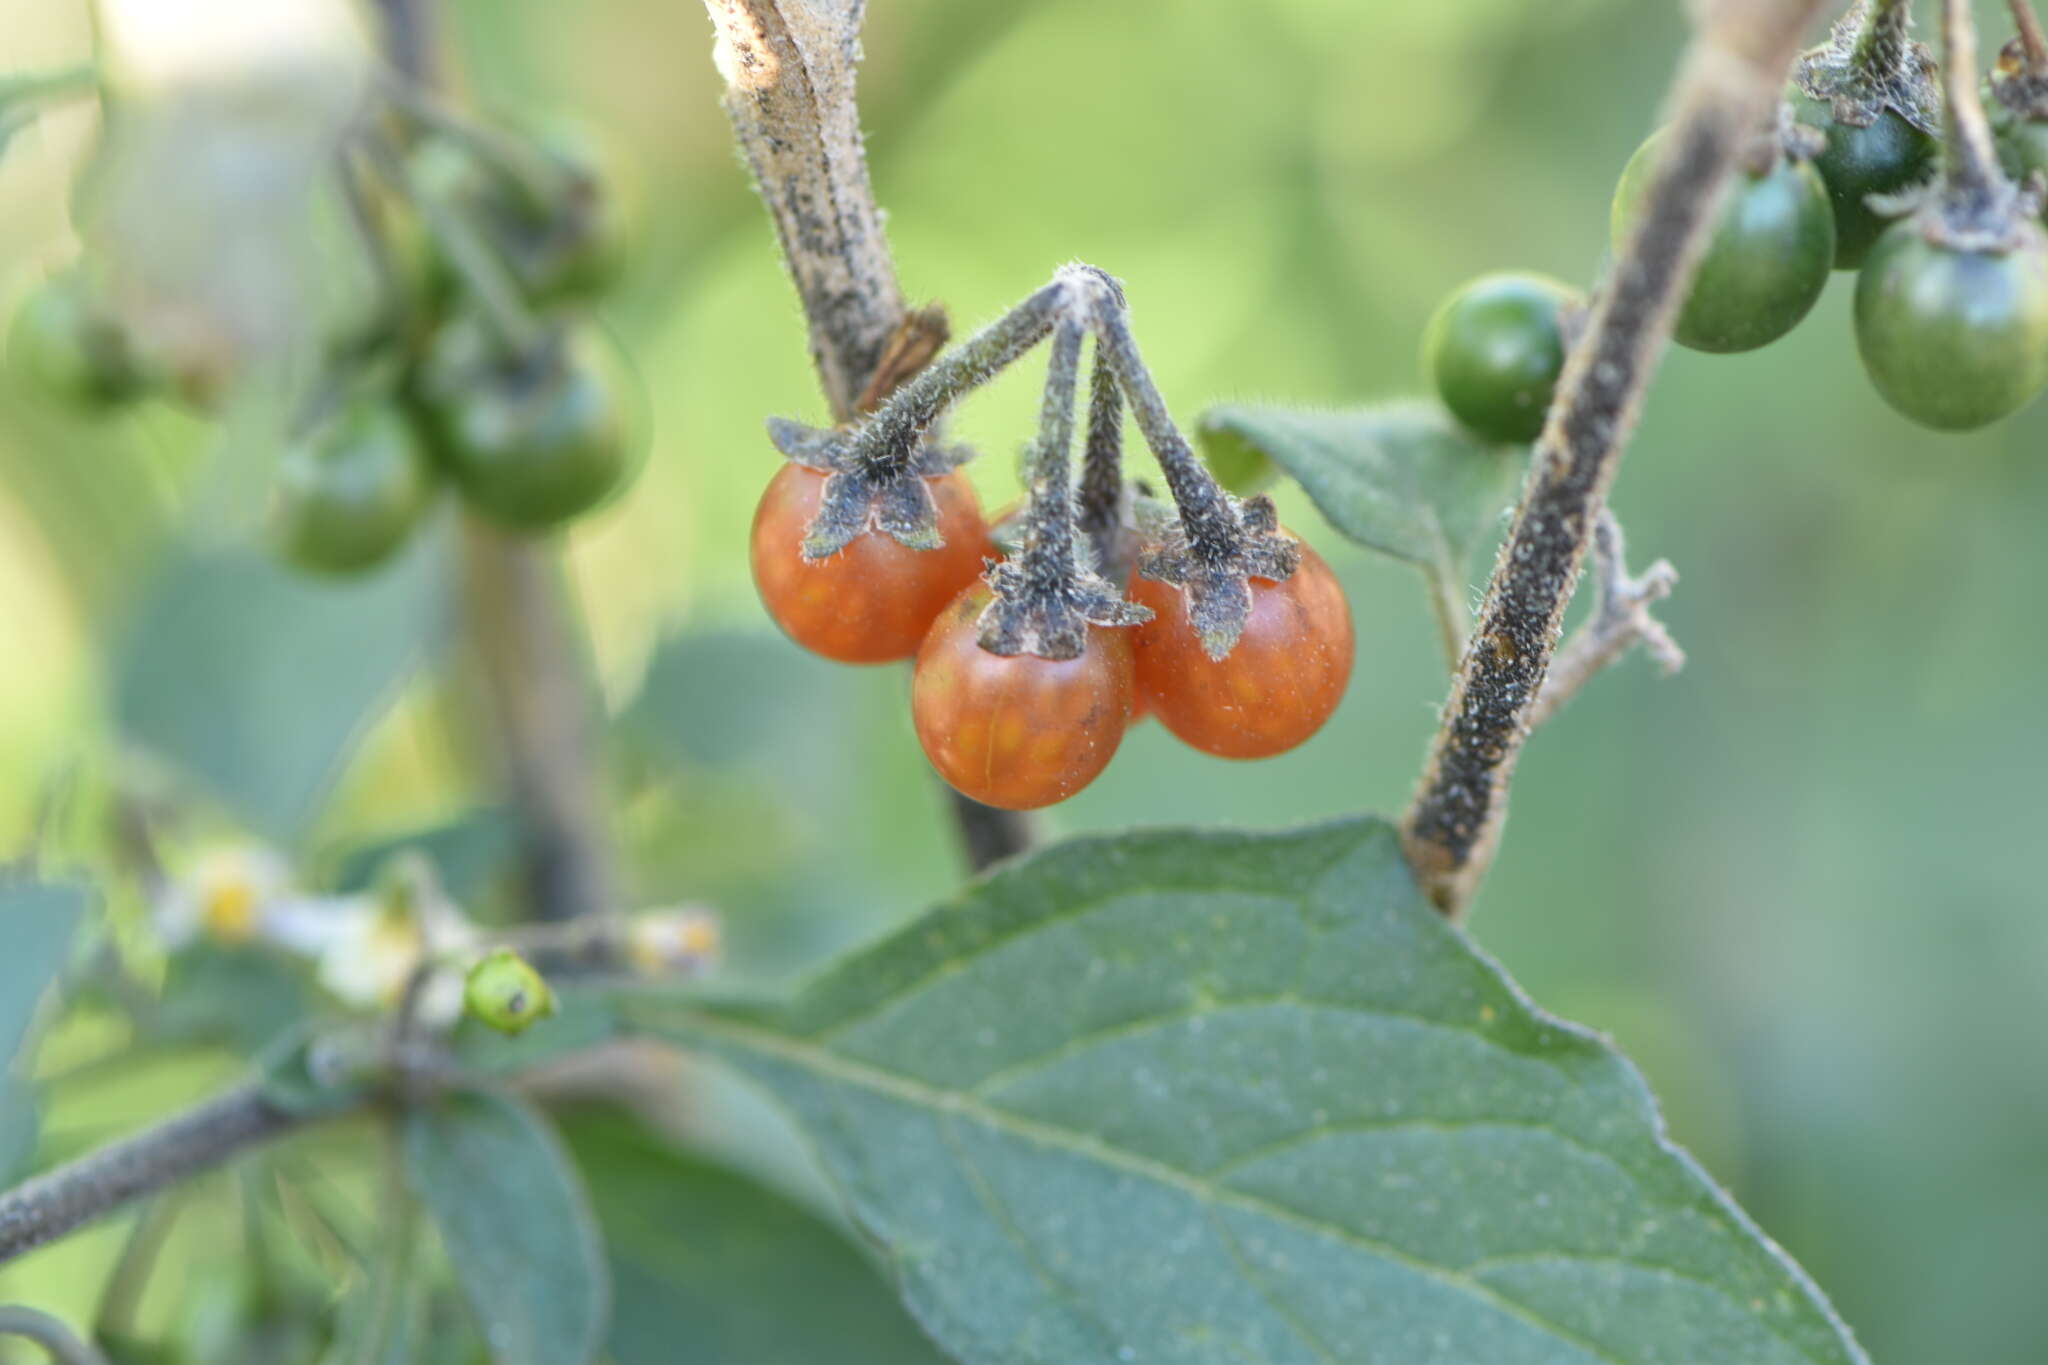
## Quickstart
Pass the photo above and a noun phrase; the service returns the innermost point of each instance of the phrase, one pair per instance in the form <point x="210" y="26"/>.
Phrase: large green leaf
<point x="38" y="921"/>
<point x="1401" y="478"/>
<point x="706" y="1264"/>
<point x="254" y="681"/>
<point x="1214" y="1097"/>
<point x="513" y="1219"/>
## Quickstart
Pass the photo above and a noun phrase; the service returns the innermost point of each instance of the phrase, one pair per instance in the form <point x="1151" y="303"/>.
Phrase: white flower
<point x="227" y="895"/>
<point x="372" y="945"/>
<point x="662" y="941"/>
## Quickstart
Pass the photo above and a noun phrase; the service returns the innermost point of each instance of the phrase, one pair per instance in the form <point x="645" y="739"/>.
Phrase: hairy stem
<point x="1212" y="527"/>
<point x="63" y="1345"/>
<point x="49" y="1205"/>
<point x="789" y="74"/>
<point x="526" y="639"/>
<point x="1969" y="157"/>
<point x="1728" y="86"/>
<point x="1049" y="545"/>
<point x="1102" y="471"/>
<point x="1881" y="45"/>
<point x="789" y="70"/>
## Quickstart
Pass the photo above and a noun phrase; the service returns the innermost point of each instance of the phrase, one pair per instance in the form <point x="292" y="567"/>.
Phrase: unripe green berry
<point x="504" y="992"/>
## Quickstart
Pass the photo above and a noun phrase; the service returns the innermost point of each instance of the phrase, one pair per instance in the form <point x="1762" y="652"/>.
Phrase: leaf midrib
<point x="692" y="1024"/>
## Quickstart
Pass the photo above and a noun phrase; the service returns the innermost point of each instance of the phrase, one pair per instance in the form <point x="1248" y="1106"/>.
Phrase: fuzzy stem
<point x="64" y="1346"/>
<point x="46" y="1207"/>
<point x="1621" y="620"/>
<point x="1969" y="157"/>
<point x="789" y="73"/>
<point x="1102" y="470"/>
<point x="1881" y="43"/>
<point x="890" y="437"/>
<point x="1729" y="84"/>
<point x="1049" y="541"/>
<point x="519" y="618"/>
<point x="1213" y="531"/>
<point x="2031" y="37"/>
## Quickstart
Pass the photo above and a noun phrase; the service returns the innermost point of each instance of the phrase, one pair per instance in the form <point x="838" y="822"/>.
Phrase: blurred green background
<point x="1801" y="883"/>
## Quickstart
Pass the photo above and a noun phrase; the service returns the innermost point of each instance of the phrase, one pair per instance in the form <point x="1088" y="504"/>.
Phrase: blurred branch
<point x="1741" y="52"/>
<point x="525" y="639"/>
<point x="1622" y="619"/>
<point x="789" y="72"/>
<point x="47" y="1332"/>
<point x="46" y="1207"/>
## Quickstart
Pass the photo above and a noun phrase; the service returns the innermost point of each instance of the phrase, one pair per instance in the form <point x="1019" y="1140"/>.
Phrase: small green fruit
<point x="1954" y="338"/>
<point x="1766" y="263"/>
<point x="65" y="341"/>
<point x="1494" y="351"/>
<point x="349" y="494"/>
<point x="532" y="441"/>
<point x="1884" y="157"/>
<point x="504" y="992"/>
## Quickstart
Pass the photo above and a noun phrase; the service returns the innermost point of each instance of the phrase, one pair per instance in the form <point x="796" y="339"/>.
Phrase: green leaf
<point x="714" y="697"/>
<point x="20" y="1126"/>
<point x="1401" y="478"/>
<point x="513" y="1219"/>
<point x="706" y="1264"/>
<point x="255" y="681"/>
<point x="1216" y="1097"/>
<point x="240" y="996"/>
<point x="38" y="921"/>
<point x="470" y="854"/>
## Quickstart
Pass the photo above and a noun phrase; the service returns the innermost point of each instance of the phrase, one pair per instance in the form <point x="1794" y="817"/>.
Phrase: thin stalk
<point x="1882" y="42"/>
<point x="63" y="1344"/>
<point x="1969" y="157"/>
<point x="1212" y="527"/>
<point x="1049" y="542"/>
<point x="2031" y="39"/>
<point x="890" y="437"/>
<point x="122" y="1296"/>
<point x="1102" y="470"/>
<point x="519" y="617"/>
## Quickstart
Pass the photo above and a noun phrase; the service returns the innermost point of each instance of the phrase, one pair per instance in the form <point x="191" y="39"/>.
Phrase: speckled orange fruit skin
<point x="1018" y="732"/>
<point x="874" y="600"/>
<point x="1271" y="692"/>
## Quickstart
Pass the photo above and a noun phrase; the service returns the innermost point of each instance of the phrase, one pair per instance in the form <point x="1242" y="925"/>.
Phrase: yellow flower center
<point x="229" y="911"/>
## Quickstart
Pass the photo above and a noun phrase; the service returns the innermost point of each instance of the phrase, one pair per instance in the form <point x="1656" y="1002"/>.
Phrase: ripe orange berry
<point x="874" y="600"/>
<point x="1018" y="731"/>
<point x="1271" y="692"/>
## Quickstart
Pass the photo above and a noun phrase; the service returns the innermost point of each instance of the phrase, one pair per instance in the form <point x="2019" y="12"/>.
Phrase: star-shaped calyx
<point x="1214" y="573"/>
<point x="1041" y="609"/>
<point x="1869" y="65"/>
<point x="864" y="493"/>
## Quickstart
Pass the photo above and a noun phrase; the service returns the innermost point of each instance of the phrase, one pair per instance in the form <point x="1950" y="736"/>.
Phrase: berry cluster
<point x="1031" y="662"/>
<point x="477" y="368"/>
<point x="1869" y="166"/>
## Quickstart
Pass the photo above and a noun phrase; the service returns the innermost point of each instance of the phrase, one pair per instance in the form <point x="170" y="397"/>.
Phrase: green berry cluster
<point x="1867" y="168"/>
<point x="480" y="370"/>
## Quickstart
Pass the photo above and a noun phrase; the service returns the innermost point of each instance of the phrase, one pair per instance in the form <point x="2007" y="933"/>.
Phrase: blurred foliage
<point x="1798" y="883"/>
